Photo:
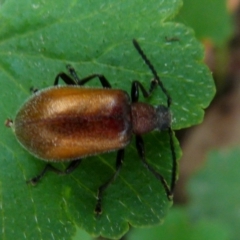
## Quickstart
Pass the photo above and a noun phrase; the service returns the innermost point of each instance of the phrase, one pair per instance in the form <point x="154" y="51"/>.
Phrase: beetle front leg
<point x="141" y="152"/>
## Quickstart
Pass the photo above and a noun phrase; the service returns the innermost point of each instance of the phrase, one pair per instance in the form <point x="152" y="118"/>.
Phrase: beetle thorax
<point x="146" y="118"/>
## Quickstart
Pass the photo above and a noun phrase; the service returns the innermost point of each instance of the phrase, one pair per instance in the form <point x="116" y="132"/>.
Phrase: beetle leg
<point x="81" y="82"/>
<point x="134" y="96"/>
<point x="141" y="152"/>
<point x="102" y="188"/>
<point x="73" y="73"/>
<point x="101" y="78"/>
<point x="157" y="80"/>
<point x="135" y="91"/>
<point x="77" y="81"/>
<point x="174" y="162"/>
<point x="33" y="90"/>
<point x="65" y="78"/>
<point x="70" y="168"/>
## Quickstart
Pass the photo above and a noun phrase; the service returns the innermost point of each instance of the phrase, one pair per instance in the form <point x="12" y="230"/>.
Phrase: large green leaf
<point x="37" y="40"/>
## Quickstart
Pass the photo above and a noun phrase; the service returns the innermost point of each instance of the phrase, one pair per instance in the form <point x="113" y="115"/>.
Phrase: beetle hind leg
<point x="69" y="169"/>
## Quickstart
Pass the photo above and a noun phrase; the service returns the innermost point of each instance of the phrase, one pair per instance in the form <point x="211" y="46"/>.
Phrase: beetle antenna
<point x="154" y="72"/>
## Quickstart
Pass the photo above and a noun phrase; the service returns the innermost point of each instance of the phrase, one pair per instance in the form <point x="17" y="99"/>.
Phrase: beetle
<point x="71" y="122"/>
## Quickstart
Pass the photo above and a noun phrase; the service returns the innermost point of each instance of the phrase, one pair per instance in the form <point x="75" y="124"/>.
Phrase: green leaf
<point x="37" y="40"/>
<point x="214" y="190"/>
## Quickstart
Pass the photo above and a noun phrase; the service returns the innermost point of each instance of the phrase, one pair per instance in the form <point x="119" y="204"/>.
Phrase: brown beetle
<point x="67" y="123"/>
